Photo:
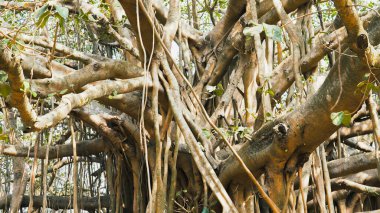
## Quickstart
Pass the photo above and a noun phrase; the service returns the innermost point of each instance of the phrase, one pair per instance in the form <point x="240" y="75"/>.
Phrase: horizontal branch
<point x="12" y="5"/>
<point x="47" y="43"/>
<point x="84" y="148"/>
<point x="91" y="73"/>
<point x="72" y="101"/>
<point x="368" y="177"/>
<point x="359" y="128"/>
<point x="60" y="202"/>
<point x="352" y="164"/>
<point x="360" y="188"/>
<point x="362" y="146"/>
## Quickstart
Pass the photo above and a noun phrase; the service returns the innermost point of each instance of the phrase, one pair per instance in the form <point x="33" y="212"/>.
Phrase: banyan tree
<point x="189" y="106"/>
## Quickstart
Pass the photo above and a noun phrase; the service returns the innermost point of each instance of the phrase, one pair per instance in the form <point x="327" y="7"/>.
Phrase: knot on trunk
<point x="280" y="136"/>
<point x="96" y="67"/>
<point x="362" y="41"/>
<point x="281" y="130"/>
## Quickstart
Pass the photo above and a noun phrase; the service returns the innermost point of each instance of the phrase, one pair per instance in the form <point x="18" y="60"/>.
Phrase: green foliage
<point x="341" y="118"/>
<point x="3" y="136"/>
<point x="266" y="91"/>
<point x="114" y="93"/>
<point x="12" y="44"/>
<point x="207" y="133"/>
<point x="236" y="131"/>
<point x="3" y="76"/>
<point x="51" y="95"/>
<point x="62" y="92"/>
<point x="63" y="12"/>
<point x="273" y="31"/>
<point x="241" y="131"/>
<point x="217" y="90"/>
<point x="205" y="210"/>
<point x="40" y="11"/>
<point x="365" y="87"/>
<point x="5" y="89"/>
<point x="27" y="89"/>
<point x="43" y="14"/>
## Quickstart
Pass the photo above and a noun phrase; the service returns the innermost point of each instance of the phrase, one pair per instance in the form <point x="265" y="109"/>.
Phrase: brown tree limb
<point x="359" y="128"/>
<point x="352" y="164"/>
<point x="59" y="202"/>
<point x="46" y="43"/>
<point x="72" y="101"/>
<point x="362" y="146"/>
<point x="360" y="188"/>
<point x="12" y="65"/>
<point x="84" y="148"/>
<point x="91" y="73"/>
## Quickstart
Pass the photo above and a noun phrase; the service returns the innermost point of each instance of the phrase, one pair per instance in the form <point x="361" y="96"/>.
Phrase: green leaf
<point x="25" y="86"/>
<point x="365" y="87"/>
<point x="62" y="11"/>
<point x="250" y="31"/>
<point x="206" y="133"/>
<point x="178" y="193"/>
<point x="34" y="94"/>
<point x="5" y="42"/>
<point x="205" y="210"/>
<point x="63" y="92"/>
<point x="3" y="76"/>
<point x="342" y="117"/>
<point x="273" y="31"/>
<point x="20" y="45"/>
<point x="51" y="95"/>
<point x="361" y="84"/>
<point x="114" y="93"/>
<point x="336" y="118"/>
<point x="43" y="19"/>
<point x="219" y="90"/>
<point x="270" y="92"/>
<point x="40" y="11"/>
<point x="4" y="137"/>
<point x="61" y="21"/>
<point x="5" y="90"/>
<point x="346" y="119"/>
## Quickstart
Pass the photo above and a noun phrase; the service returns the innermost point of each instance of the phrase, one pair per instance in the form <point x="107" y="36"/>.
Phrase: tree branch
<point x="59" y="202"/>
<point x="84" y="148"/>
